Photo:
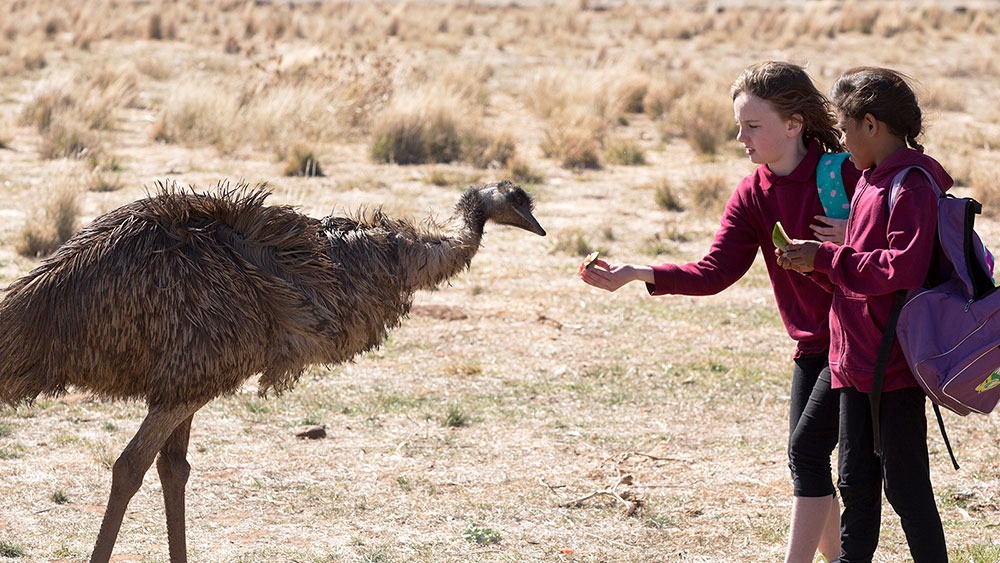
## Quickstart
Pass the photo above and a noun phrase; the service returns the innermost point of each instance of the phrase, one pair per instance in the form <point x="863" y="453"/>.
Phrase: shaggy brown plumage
<point x="180" y="297"/>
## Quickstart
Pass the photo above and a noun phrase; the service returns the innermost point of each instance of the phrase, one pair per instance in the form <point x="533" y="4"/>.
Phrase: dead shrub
<point x="51" y="227"/>
<point x="659" y="97"/>
<point x="665" y="196"/>
<point x="709" y="192"/>
<point x="705" y="119"/>
<point x="439" y="123"/>
<point x="417" y="136"/>
<point x="99" y="180"/>
<point x="521" y="173"/>
<point x="68" y="139"/>
<point x="197" y="116"/>
<point x="488" y="150"/>
<point x="625" y="153"/>
<point x="41" y="109"/>
<point x="301" y="162"/>
<point x="574" y="138"/>
<point x="89" y="99"/>
<point x="985" y="183"/>
<point x="631" y="93"/>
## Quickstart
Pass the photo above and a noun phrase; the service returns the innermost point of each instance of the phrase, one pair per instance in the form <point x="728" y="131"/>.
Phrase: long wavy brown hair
<point x="794" y="96"/>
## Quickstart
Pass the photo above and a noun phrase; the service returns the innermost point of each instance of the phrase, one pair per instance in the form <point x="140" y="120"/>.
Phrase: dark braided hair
<point x="884" y="93"/>
<point x="789" y="89"/>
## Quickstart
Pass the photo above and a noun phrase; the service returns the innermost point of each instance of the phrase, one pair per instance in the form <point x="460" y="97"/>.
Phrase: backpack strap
<point x="881" y="363"/>
<point x="830" y="185"/>
<point x="878" y="380"/>
<point x="897" y="185"/>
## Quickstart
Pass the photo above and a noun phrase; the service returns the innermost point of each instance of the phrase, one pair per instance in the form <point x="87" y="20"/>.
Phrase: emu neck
<point x="445" y="250"/>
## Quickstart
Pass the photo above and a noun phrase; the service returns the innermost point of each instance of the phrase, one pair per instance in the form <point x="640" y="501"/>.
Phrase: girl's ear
<point x="870" y="125"/>
<point x="795" y="125"/>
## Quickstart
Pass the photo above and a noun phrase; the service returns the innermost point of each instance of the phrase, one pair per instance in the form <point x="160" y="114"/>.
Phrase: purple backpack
<point x="949" y="330"/>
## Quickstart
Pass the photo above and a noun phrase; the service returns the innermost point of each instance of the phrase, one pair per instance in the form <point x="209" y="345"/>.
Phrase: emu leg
<point x="173" y="468"/>
<point x="132" y="464"/>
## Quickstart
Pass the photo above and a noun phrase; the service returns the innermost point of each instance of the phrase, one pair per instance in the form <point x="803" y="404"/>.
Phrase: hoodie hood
<point x="883" y="174"/>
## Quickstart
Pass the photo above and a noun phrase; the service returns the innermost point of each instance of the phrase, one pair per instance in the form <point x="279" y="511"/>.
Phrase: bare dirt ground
<point x="515" y="389"/>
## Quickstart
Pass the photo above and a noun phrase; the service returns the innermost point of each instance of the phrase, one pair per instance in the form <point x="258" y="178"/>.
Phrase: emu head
<point x="502" y="202"/>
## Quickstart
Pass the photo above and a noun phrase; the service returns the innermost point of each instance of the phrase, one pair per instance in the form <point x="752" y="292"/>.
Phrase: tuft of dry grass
<point x="574" y="138"/>
<point x="709" y="192"/>
<point x="435" y="125"/>
<point x="416" y="135"/>
<point x="521" y="173"/>
<point x="665" y="195"/>
<point x="704" y="119"/>
<point x="301" y="161"/>
<point x="51" y="226"/>
<point x="985" y="184"/>
<point x="68" y="139"/>
<point x="625" y="152"/>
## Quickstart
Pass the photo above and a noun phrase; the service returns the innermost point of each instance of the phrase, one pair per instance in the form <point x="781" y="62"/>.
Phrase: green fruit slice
<point x="590" y="260"/>
<point x="779" y="237"/>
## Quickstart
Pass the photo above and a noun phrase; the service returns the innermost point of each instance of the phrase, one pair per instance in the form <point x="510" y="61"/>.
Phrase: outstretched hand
<point x="830" y="229"/>
<point x="607" y="276"/>
<point x="799" y="255"/>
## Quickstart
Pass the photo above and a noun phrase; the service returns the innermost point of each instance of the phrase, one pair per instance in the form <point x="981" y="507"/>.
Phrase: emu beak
<point x="530" y="224"/>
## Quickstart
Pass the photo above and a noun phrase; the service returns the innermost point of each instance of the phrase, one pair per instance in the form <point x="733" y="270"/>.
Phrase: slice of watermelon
<point x="588" y="262"/>
<point x="779" y="237"/>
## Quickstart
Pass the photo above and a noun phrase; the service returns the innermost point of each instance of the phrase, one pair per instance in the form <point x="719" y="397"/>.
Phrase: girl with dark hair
<point x="785" y="125"/>
<point x="887" y="249"/>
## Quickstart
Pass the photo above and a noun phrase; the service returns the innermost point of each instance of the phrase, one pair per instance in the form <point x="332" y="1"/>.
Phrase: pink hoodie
<point x="882" y="254"/>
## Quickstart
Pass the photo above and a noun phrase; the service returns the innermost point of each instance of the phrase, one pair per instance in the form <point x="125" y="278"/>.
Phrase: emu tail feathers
<point x="23" y="376"/>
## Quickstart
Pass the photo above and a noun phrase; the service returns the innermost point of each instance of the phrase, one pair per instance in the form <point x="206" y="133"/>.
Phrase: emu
<point x="180" y="297"/>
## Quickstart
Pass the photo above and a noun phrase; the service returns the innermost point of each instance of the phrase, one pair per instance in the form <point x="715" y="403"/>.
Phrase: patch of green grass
<point x="312" y="420"/>
<point x="14" y="452"/>
<point x="5" y="430"/>
<point x="67" y="553"/>
<point x="8" y="549"/>
<point x="771" y="530"/>
<point x="374" y="555"/>
<point x="985" y="551"/>
<point x="455" y="417"/>
<point x="59" y="497"/>
<point x="66" y="439"/>
<point x="257" y="407"/>
<point x="474" y="533"/>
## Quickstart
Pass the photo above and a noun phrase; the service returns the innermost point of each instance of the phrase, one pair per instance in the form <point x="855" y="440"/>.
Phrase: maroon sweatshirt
<point x="883" y="253"/>
<point x="760" y="200"/>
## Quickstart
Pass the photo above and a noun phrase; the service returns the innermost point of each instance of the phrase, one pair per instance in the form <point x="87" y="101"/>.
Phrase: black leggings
<point x="902" y="470"/>
<point x="812" y="427"/>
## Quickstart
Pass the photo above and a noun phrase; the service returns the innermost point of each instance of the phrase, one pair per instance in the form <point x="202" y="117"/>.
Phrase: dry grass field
<point x="514" y="390"/>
